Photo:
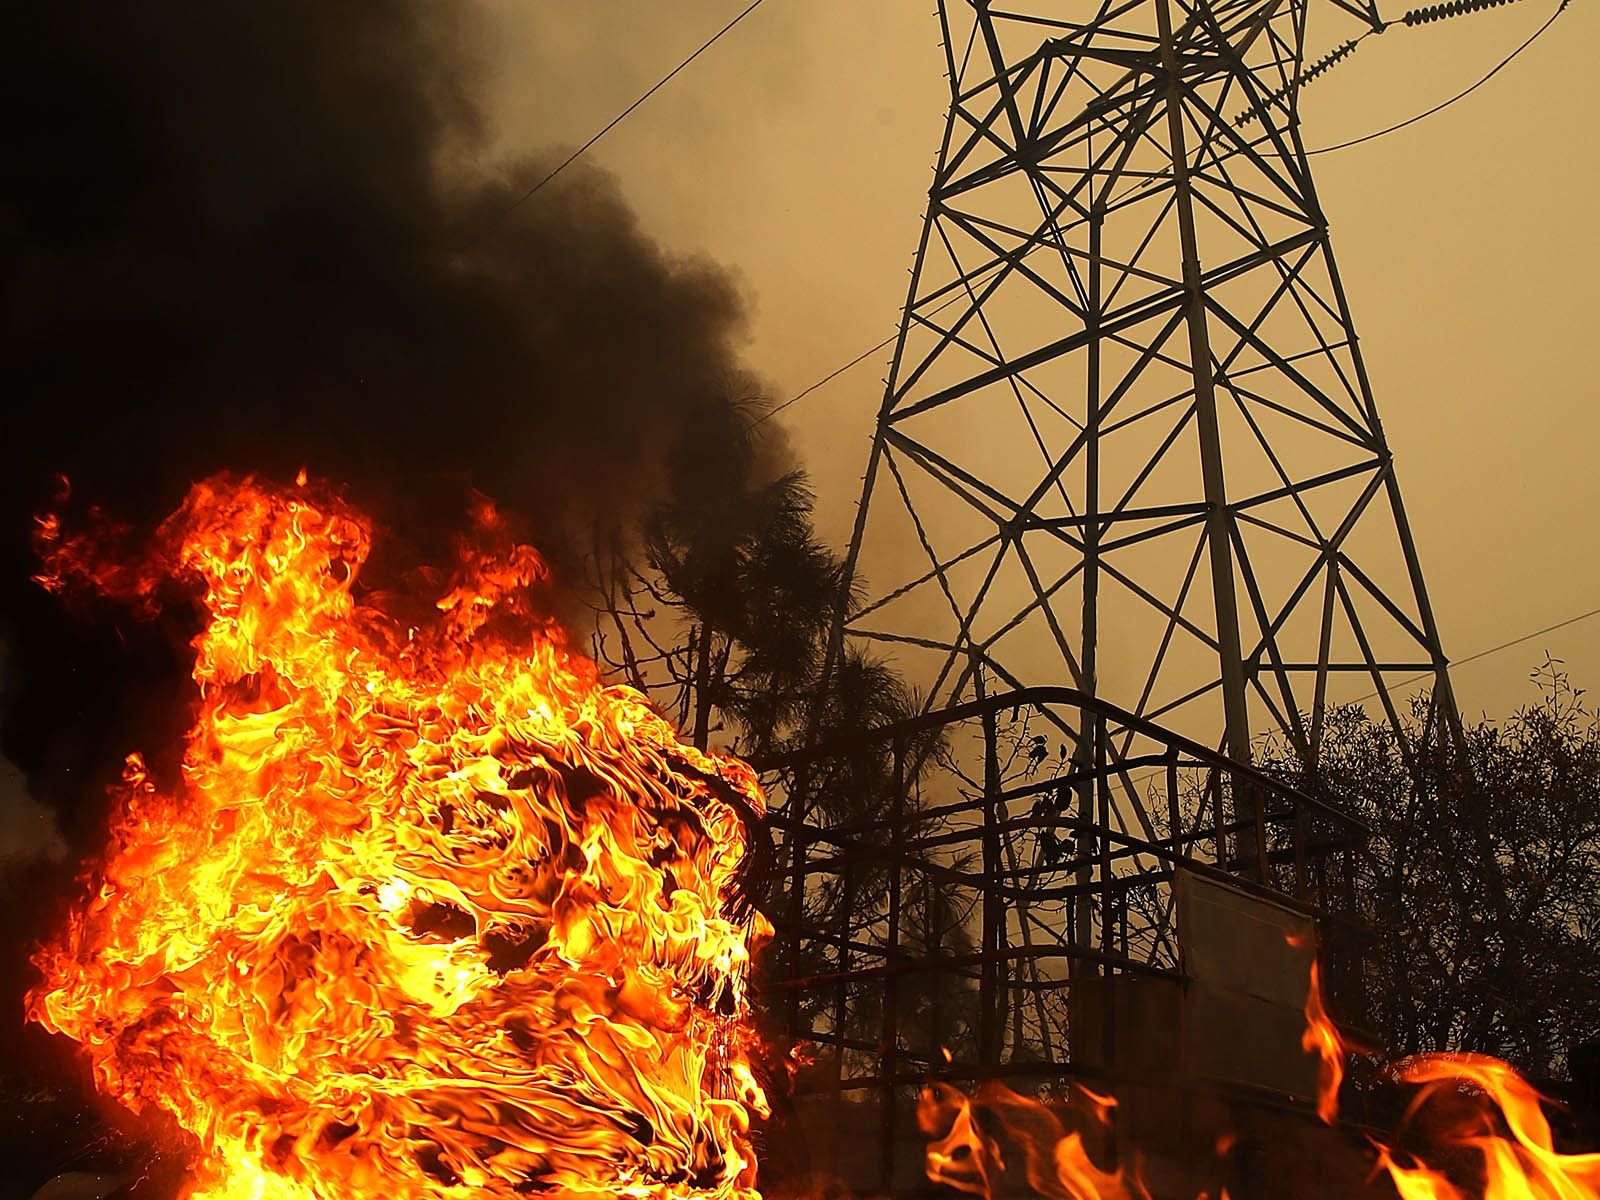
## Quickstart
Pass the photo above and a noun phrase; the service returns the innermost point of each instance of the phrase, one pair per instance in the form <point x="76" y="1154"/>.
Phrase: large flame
<point x="431" y="910"/>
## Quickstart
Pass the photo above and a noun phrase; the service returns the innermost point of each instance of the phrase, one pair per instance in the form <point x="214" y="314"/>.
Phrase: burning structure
<point x="432" y="910"/>
<point x="1006" y="928"/>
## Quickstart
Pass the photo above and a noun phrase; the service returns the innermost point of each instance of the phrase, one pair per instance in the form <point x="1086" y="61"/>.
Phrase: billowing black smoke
<point x="258" y="236"/>
<point x="242" y="235"/>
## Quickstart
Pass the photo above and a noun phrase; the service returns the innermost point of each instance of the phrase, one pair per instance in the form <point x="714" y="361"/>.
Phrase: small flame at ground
<point x="1322" y="1039"/>
<point x="1507" y="1136"/>
<point x="966" y="1152"/>
<point x="431" y="911"/>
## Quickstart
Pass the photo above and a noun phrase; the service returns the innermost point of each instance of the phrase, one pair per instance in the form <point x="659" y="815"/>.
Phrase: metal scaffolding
<point x="963" y="927"/>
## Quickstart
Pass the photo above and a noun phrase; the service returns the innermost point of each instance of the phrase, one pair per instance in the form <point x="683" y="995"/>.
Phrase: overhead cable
<point x="618" y="119"/>
<point x="1461" y="95"/>
<point x="1416" y="16"/>
<point x="1516" y="641"/>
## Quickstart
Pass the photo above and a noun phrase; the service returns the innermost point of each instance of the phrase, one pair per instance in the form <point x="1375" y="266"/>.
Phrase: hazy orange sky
<point x="797" y="152"/>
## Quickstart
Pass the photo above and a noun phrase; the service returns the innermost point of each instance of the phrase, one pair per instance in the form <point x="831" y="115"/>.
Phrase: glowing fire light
<point x="964" y="1155"/>
<point x="1522" y="1166"/>
<point x="431" y="911"/>
<point x="1509" y="1136"/>
<point x="1322" y="1038"/>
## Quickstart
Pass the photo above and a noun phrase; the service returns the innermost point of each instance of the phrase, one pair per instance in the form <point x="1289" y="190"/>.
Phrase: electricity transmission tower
<point x="1128" y="505"/>
<point x="1128" y="442"/>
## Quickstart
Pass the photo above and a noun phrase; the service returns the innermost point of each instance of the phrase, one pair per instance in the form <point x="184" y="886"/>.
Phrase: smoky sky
<point x="242" y="234"/>
<point x="258" y="237"/>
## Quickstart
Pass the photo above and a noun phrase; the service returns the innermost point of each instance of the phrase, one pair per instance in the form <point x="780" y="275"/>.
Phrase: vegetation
<point x="721" y="608"/>
<point x="1481" y="880"/>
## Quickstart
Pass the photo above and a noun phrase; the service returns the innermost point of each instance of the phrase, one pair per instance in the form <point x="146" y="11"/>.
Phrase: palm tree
<point x="719" y="606"/>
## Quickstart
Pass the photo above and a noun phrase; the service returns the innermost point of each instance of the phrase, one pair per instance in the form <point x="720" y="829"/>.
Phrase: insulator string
<point x="1425" y="15"/>
<point x="1338" y="54"/>
<point x="1461" y="95"/>
<point x="1455" y="8"/>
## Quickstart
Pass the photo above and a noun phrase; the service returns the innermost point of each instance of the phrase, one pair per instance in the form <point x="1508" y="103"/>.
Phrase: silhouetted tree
<point x="1481" y="880"/>
<point x="720" y="607"/>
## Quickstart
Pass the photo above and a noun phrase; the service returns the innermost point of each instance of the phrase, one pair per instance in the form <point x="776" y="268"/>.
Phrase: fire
<point x="1519" y="1164"/>
<point x="966" y="1152"/>
<point x="431" y="910"/>
<point x="1507" y="1135"/>
<point x="1322" y="1038"/>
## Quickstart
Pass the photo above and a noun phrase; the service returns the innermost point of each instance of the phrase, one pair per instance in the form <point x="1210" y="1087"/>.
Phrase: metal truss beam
<point x="1127" y="438"/>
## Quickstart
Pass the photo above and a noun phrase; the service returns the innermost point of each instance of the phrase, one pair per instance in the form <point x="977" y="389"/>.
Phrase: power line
<point x="836" y="372"/>
<point x="1516" y="641"/>
<point x="889" y="341"/>
<point x="618" y="119"/>
<point x="1462" y="95"/>
<point x="829" y="377"/>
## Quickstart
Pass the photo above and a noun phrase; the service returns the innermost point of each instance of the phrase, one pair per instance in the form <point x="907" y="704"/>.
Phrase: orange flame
<point x="1520" y="1163"/>
<point x="1523" y="1166"/>
<point x="965" y="1156"/>
<point x="1418" y="1182"/>
<point x="431" y="911"/>
<point x="1322" y="1038"/>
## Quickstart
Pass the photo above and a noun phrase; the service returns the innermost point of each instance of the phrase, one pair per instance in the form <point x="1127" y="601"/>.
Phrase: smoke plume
<point x="264" y="236"/>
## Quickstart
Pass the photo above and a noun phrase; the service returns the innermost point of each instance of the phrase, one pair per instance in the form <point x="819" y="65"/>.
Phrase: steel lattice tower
<point x="1128" y="442"/>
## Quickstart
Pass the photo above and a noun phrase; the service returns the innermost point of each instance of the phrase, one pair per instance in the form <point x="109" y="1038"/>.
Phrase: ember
<point x="431" y="909"/>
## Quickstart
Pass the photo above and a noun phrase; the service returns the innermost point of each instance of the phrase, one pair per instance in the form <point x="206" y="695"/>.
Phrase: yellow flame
<point x="964" y="1154"/>
<point x="430" y="911"/>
